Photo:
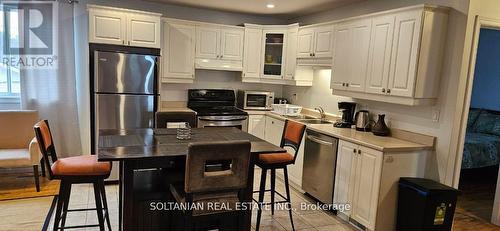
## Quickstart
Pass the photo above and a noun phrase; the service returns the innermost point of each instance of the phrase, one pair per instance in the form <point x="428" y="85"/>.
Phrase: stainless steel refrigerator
<point x="124" y="95"/>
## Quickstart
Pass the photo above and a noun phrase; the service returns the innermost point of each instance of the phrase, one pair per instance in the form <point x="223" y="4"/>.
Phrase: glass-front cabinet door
<point x="274" y="52"/>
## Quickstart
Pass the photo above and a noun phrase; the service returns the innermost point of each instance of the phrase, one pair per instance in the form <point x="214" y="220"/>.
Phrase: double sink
<point x="309" y="119"/>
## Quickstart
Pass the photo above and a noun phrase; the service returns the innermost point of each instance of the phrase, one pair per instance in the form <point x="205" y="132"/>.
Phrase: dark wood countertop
<point x="119" y="145"/>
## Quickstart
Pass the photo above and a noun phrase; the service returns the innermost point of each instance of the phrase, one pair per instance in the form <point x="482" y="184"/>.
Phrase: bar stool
<point x="73" y="170"/>
<point x="293" y="133"/>
<point x="205" y="187"/>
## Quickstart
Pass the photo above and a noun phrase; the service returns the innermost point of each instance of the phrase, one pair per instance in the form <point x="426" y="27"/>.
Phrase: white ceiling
<point x="289" y="8"/>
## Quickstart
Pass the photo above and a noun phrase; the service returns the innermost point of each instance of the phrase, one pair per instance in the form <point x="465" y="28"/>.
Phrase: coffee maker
<point x="347" y="109"/>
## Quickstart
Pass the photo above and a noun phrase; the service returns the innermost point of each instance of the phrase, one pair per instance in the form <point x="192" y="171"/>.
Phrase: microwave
<point x="255" y="100"/>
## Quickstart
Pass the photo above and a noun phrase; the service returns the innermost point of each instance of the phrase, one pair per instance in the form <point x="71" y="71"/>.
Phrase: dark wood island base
<point x="149" y="162"/>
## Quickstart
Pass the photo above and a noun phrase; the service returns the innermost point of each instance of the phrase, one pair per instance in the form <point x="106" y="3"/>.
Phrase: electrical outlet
<point x="435" y="115"/>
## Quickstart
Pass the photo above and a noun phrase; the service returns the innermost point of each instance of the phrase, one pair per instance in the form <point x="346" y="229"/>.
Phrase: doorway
<point x="481" y="150"/>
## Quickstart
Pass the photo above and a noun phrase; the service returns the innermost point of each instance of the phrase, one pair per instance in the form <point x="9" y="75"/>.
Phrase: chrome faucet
<point x="321" y="112"/>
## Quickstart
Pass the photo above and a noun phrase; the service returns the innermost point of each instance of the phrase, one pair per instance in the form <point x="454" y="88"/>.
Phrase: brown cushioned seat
<point x="276" y="158"/>
<point x="80" y="166"/>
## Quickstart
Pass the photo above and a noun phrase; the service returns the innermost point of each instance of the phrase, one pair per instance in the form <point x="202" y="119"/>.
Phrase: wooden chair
<point x="162" y="118"/>
<point x="293" y="133"/>
<point x="204" y="187"/>
<point x="73" y="170"/>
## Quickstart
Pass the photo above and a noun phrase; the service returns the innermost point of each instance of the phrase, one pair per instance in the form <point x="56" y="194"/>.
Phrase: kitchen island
<point x="152" y="159"/>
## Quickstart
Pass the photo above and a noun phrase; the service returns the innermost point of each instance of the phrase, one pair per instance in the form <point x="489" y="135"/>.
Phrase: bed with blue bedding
<point x="482" y="139"/>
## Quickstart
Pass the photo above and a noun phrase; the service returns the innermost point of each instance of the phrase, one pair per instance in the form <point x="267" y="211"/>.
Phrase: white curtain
<point x="52" y="92"/>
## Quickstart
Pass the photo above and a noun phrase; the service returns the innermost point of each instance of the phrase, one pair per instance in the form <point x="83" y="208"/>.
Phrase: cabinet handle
<point x="359" y="151"/>
<point x="383" y="90"/>
<point x="347" y="84"/>
<point x="314" y="54"/>
<point x="123" y="42"/>
<point x="354" y="150"/>
<point x="388" y="91"/>
<point x="343" y="84"/>
<point x="311" y="54"/>
<point x="129" y="43"/>
<point x="221" y="56"/>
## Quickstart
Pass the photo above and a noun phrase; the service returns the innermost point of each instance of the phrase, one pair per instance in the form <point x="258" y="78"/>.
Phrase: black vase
<point x="380" y="128"/>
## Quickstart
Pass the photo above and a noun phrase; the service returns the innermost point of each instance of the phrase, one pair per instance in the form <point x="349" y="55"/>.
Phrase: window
<point x="9" y="33"/>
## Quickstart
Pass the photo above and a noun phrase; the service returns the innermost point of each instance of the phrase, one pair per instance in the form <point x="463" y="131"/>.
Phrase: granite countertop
<point x="380" y="143"/>
<point x="384" y="144"/>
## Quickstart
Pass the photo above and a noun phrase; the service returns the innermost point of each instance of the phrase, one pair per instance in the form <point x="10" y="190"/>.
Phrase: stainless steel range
<point x="216" y="108"/>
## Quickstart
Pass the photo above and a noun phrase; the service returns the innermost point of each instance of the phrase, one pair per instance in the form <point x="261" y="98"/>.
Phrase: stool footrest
<point x="269" y="203"/>
<point x="80" y="210"/>
<point x="268" y="190"/>
<point x="77" y="226"/>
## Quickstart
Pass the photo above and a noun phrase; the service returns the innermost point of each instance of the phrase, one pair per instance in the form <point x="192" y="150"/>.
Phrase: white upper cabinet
<point x="207" y="42"/>
<point x="116" y="26"/>
<point x="143" y="30"/>
<point x="178" y="51"/>
<point x="274" y="50"/>
<point x="392" y="57"/>
<point x="350" y="60"/>
<point x="107" y="27"/>
<point x="404" y="53"/>
<point x="323" y="37"/>
<point x="219" y="47"/>
<point x="291" y="53"/>
<point x="252" y="62"/>
<point x="315" y="42"/>
<point x="360" y="43"/>
<point x="380" y="54"/>
<point x="232" y="44"/>
<point x="270" y="55"/>
<point x="305" y="42"/>
<point x="341" y="57"/>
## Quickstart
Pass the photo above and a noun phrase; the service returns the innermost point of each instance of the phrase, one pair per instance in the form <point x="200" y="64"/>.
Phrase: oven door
<point x="240" y="122"/>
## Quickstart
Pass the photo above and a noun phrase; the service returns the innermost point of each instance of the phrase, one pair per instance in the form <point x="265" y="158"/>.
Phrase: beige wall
<point x="417" y="119"/>
<point x="489" y="9"/>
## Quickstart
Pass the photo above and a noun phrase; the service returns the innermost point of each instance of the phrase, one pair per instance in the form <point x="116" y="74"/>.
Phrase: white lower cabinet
<point x="367" y="179"/>
<point x="366" y="186"/>
<point x="257" y="125"/>
<point x="274" y="130"/>
<point x="344" y="175"/>
<point x="295" y="170"/>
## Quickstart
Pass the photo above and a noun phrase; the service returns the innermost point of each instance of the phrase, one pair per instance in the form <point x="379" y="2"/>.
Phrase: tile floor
<point x="82" y="197"/>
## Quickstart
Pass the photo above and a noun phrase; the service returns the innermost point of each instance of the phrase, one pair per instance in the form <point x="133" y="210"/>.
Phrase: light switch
<point x="435" y="115"/>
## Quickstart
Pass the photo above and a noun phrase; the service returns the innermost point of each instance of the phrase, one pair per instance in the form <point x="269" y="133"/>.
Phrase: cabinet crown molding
<point x="98" y="7"/>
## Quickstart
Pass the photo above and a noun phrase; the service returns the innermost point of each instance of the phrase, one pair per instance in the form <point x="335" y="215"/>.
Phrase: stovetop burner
<point x="220" y="110"/>
<point x="213" y="102"/>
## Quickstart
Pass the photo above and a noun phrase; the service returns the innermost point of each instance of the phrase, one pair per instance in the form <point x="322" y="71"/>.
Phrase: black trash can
<point x="425" y="205"/>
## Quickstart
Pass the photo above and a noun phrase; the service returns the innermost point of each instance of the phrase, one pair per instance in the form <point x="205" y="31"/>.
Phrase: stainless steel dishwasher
<point x="320" y="158"/>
